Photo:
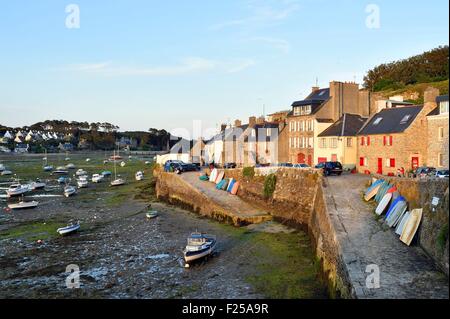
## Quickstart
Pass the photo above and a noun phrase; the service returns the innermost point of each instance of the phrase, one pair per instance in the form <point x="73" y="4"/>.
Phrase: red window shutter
<point x="361" y="161"/>
<point x="384" y="140"/>
<point x="362" y="140"/>
<point x="392" y="162"/>
<point x="390" y="140"/>
<point x="368" y="140"/>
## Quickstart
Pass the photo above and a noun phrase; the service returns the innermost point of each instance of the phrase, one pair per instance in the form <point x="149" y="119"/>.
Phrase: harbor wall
<point x="433" y="232"/>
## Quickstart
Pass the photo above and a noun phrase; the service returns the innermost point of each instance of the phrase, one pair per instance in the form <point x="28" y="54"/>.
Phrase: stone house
<point x="197" y="152"/>
<point x="395" y="137"/>
<point x="311" y="116"/>
<point x="438" y="134"/>
<point x="339" y="142"/>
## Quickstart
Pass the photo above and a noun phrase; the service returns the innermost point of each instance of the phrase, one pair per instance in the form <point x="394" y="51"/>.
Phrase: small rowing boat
<point x="151" y="214"/>
<point x="71" y="228"/>
<point x="23" y="205"/>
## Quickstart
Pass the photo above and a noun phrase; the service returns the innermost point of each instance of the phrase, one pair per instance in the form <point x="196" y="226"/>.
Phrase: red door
<point x="415" y="162"/>
<point x="309" y="160"/>
<point x="301" y="158"/>
<point x="322" y="159"/>
<point x="380" y="166"/>
<point x="334" y="157"/>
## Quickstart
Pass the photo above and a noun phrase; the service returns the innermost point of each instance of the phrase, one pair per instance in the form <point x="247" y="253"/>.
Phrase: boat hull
<point x="68" y="230"/>
<point x="22" y="205"/>
<point x="191" y="256"/>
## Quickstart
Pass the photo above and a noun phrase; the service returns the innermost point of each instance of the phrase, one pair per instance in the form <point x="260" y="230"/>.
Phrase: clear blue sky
<point x="162" y="64"/>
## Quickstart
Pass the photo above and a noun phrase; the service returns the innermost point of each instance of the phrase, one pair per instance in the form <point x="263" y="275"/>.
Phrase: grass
<point x="32" y="232"/>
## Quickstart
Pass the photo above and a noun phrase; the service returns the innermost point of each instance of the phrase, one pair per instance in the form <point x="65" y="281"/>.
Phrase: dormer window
<point x="377" y="121"/>
<point x="405" y="119"/>
<point x="443" y="107"/>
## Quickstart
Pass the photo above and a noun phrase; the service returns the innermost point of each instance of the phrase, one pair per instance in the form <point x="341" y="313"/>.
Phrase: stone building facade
<point x="438" y="147"/>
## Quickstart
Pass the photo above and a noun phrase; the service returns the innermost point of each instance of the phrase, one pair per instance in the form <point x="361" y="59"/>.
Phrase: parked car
<point x="320" y="165"/>
<point x="229" y="165"/>
<point x="425" y="171"/>
<point x="301" y="166"/>
<point x="330" y="168"/>
<point x="180" y="167"/>
<point x="285" y="165"/>
<point x="442" y="173"/>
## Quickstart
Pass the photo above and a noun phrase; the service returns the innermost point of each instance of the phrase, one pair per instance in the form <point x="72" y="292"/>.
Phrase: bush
<point x="248" y="172"/>
<point x="269" y="185"/>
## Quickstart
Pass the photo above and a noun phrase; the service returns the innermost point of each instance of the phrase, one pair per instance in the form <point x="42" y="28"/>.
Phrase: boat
<point x="106" y="173"/>
<point x="97" y="178"/>
<point x="396" y="213"/>
<point x="69" y="191"/>
<point x="151" y="214"/>
<point x="88" y="159"/>
<point x="411" y="226"/>
<point x="199" y="246"/>
<point x="71" y="228"/>
<point x="23" y="205"/>
<point x="2" y="167"/>
<point x="372" y="192"/>
<point x="63" y="180"/>
<point x="402" y="223"/>
<point x="46" y="167"/>
<point x="122" y="164"/>
<point x="70" y="166"/>
<point x="139" y="176"/>
<point x="6" y="172"/>
<point x="383" y="204"/>
<point x="82" y="183"/>
<point x="81" y="172"/>
<point x="37" y="185"/>
<point x="17" y="190"/>
<point x="117" y="181"/>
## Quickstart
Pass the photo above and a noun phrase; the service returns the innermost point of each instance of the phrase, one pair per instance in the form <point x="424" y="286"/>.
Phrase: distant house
<point x="197" y="152"/>
<point x="396" y="137"/>
<point x="438" y="152"/>
<point x="126" y="141"/>
<point x="339" y="142"/>
<point x="21" y="148"/>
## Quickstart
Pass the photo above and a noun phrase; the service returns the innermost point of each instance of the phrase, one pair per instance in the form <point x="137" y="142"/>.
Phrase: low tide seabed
<point x="121" y="254"/>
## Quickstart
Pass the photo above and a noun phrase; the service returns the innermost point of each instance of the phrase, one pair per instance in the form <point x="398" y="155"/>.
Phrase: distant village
<point x="363" y="130"/>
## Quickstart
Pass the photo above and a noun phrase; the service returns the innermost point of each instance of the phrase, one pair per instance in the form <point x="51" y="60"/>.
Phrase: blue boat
<point x="106" y="173"/>
<point x="63" y="179"/>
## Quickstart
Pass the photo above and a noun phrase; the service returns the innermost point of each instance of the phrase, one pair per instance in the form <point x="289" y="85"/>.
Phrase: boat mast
<point x="115" y="170"/>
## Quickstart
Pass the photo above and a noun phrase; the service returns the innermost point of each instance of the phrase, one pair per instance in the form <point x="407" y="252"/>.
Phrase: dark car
<point x="229" y="165"/>
<point x="424" y="171"/>
<point x="330" y="168"/>
<point x="320" y="165"/>
<point x="285" y="165"/>
<point x="180" y="167"/>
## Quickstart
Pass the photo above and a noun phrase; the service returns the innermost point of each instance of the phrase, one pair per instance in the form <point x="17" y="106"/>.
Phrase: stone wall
<point x="433" y="232"/>
<point x="436" y="144"/>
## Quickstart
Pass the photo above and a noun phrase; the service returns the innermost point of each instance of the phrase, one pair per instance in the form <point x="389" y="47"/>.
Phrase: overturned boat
<point x="199" y="246"/>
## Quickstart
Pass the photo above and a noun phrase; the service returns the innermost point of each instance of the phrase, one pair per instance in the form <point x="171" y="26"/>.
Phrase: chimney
<point x="429" y="99"/>
<point x="223" y="127"/>
<point x="237" y="123"/>
<point x="314" y="89"/>
<point x="260" y="120"/>
<point x="251" y="121"/>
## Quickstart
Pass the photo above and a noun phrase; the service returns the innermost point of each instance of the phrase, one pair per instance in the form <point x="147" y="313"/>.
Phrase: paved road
<point x="405" y="272"/>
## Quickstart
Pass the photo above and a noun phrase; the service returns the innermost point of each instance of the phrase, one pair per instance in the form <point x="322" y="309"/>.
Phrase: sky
<point x="163" y="64"/>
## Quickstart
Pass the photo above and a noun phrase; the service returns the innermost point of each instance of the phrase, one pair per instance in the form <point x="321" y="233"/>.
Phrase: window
<point x="390" y="162"/>
<point x="387" y="140"/>
<point x="362" y="140"/>
<point x="310" y="142"/>
<point x="443" y="107"/>
<point x="349" y="142"/>
<point x="297" y="110"/>
<point x="333" y="142"/>
<point x="441" y="134"/>
<point x="363" y="161"/>
<point x="440" y="159"/>
<point x="405" y="119"/>
<point x="377" y="121"/>
<point x="323" y="143"/>
<point x="268" y="132"/>
<point x="368" y="141"/>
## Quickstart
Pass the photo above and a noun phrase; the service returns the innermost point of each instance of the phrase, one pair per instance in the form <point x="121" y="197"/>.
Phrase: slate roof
<point x="315" y="99"/>
<point x="347" y="125"/>
<point x="391" y="120"/>
<point x="442" y="98"/>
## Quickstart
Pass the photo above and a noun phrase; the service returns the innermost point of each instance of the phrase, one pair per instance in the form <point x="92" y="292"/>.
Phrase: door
<point x="334" y="157"/>
<point x="301" y="158"/>
<point x="309" y="160"/>
<point x="415" y="162"/>
<point x="380" y="166"/>
<point x="321" y="159"/>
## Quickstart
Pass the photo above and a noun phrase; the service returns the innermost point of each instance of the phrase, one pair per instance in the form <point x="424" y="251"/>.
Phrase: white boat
<point x="88" y="159"/>
<point x="97" y="178"/>
<point x="23" y="205"/>
<point x="71" y="228"/>
<point x="81" y="172"/>
<point x="82" y="183"/>
<point x="69" y="191"/>
<point x="122" y="164"/>
<point x="61" y="168"/>
<point x="48" y="168"/>
<point x="37" y="185"/>
<point x="6" y="172"/>
<point x="139" y="176"/>
<point x="199" y="246"/>
<point x="17" y="190"/>
<point x="116" y="181"/>
<point x="70" y="166"/>
<point x="151" y="214"/>
<point x="2" y="167"/>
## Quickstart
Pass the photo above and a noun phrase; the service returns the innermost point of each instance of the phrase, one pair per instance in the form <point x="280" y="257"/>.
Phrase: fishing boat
<point x="17" y="190"/>
<point x="82" y="183"/>
<point x="37" y="184"/>
<point x="199" y="246"/>
<point x="151" y="214"/>
<point x="139" y="176"/>
<point x="117" y="181"/>
<point x="70" y="166"/>
<point x="70" y="228"/>
<point x="97" y="178"/>
<point x="69" y="191"/>
<point x="6" y="172"/>
<point x="23" y="205"/>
